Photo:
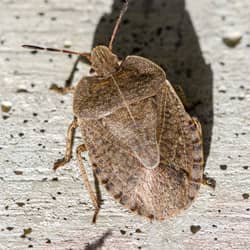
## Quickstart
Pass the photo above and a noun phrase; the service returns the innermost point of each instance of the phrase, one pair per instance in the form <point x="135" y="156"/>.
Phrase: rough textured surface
<point x="49" y="210"/>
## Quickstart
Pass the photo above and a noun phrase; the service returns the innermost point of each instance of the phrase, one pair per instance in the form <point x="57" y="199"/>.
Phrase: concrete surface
<point x="41" y="209"/>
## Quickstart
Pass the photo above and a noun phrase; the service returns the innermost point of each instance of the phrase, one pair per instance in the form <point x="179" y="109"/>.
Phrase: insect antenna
<point x="84" y="55"/>
<point x="123" y="10"/>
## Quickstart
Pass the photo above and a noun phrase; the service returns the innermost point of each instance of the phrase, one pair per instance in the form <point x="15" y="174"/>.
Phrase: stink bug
<point x="143" y="146"/>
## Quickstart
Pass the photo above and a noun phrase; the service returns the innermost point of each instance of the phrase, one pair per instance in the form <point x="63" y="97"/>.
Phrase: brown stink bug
<point x="143" y="146"/>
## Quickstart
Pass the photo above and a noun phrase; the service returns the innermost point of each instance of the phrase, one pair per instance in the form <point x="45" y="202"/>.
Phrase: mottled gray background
<point x="186" y="39"/>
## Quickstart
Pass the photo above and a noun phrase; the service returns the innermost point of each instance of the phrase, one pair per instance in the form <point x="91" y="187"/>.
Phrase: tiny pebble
<point x="5" y="117"/>
<point x="122" y="231"/>
<point x="245" y="196"/>
<point x="222" y="89"/>
<point x="232" y="39"/>
<point x="18" y="172"/>
<point x="195" y="228"/>
<point x="6" y="106"/>
<point x="26" y="231"/>
<point x="223" y="166"/>
<point x="67" y="44"/>
<point x="241" y="97"/>
<point x="22" y="89"/>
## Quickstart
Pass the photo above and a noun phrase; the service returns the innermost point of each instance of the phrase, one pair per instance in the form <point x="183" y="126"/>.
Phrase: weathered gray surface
<point x="59" y="212"/>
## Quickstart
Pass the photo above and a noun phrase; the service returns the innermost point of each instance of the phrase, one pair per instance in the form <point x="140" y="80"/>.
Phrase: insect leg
<point x="70" y="134"/>
<point x="209" y="181"/>
<point x="198" y="124"/>
<point x="69" y="81"/>
<point x="67" y="87"/>
<point x="85" y="57"/>
<point x="97" y="189"/>
<point x="81" y="148"/>
<point x="61" y="90"/>
<point x="205" y="180"/>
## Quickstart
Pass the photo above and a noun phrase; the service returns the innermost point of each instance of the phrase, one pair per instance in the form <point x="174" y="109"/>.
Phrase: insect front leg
<point x="69" y="80"/>
<point x="81" y="148"/>
<point x="67" y="87"/>
<point x="62" y="90"/>
<point x="70" y="134"/>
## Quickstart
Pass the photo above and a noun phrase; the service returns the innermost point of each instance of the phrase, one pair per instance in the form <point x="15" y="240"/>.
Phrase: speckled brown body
<point x="143" y="146"/>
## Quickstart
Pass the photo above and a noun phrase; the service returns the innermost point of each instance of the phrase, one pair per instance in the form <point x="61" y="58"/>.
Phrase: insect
<point x="142" y="144"/>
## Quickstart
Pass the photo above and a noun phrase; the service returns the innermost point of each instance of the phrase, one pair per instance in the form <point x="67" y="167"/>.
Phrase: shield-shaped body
<point x="143" y="146"/>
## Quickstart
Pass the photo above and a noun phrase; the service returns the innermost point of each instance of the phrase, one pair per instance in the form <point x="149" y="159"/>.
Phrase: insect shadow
<point x="97" y="244"/>
<point x="162" y="31"/>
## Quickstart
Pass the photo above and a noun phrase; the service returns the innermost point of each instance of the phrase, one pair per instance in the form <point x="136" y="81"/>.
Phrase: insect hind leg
<point x="94" y="198"/>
